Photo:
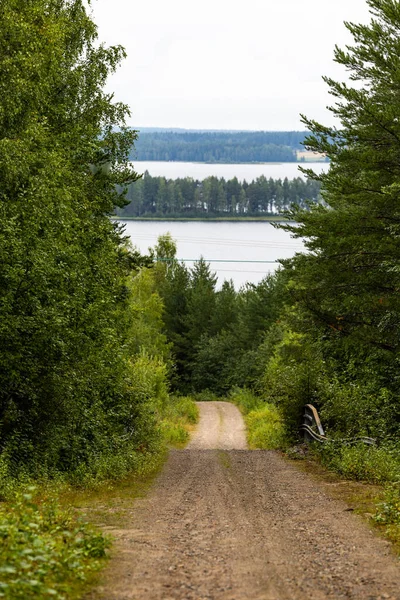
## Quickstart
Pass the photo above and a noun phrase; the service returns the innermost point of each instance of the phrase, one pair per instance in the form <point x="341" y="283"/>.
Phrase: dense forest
<point x="213" y="197"/>
<point x="218" y="147"/>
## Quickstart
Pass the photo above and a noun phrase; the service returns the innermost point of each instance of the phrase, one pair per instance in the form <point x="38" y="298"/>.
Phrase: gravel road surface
<point x="226" y="523"/>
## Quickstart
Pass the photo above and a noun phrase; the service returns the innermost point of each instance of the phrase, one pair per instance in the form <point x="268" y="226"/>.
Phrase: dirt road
<point x="226" y="523"/>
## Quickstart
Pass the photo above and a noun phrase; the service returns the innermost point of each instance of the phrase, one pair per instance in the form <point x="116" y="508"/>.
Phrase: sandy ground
<point x="226" y="523"/>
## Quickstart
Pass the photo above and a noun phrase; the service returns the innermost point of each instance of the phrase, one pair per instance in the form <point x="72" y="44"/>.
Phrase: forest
<point x="100" y="346"/>
<point x="213" y="197"/>
<point x="218" y="146"/>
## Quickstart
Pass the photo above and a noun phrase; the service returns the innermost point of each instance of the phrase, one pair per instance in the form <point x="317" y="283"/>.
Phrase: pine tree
<point x="348" y="281"/>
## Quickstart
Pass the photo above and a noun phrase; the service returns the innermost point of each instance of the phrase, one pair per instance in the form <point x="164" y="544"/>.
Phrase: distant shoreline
<point x="270" y="219"/>
<point x="215" y="162"/>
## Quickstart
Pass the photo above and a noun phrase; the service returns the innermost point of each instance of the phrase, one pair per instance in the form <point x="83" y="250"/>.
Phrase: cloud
<point x="217" y="63"/>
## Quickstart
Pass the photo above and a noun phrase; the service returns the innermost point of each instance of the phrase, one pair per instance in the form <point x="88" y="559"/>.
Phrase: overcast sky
<point x="225" y="64"/>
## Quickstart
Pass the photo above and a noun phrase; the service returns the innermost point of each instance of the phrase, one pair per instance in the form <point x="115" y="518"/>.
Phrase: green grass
<point x="263" y="420"/>
<point x="379" y="465"/>
<point x="178" y="418"/>
<point x="265" y="428"/>
<point x="245" y="400"/>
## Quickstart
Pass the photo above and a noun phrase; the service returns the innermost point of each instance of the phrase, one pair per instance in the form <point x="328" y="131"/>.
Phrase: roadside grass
<point x="387" y="514"/>
<point x="374" y="464"/>
<point x="265" y="428"/>
<point x="378" y="504"/>
<point x="51" y="539"/>
<point x="378" y="465"/>
<point x="263" y="421"/>
<point x="367" y="478"/>
<point x="178" y="419"/>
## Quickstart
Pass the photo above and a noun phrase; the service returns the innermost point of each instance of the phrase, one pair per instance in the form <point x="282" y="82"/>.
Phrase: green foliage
<point x="351" y="407"/>
<point x="245" y="399"/>
<point x="291" y="378"/>
<point x="83" y="361"/>
<point x="214" y="364"/>
<point x="216" y="335"/>
<point x="218" y="146"/>
<point x="263" y="420"/>
<point x="374" y="464"/>
<point x="336" y="344"/>
<point x="45" y="551"/>
<point x="206" y="396"/>
<point x="388" y="512"/>
<point x="145" y="329"/>
<point x="179" y="414"/>
<point x="265" y="428"/>
<point x="346" y="286"/>
<point x="213" y="197"/>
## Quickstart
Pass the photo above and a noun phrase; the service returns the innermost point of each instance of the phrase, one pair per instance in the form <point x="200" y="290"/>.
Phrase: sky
<point x="225" y="64"/>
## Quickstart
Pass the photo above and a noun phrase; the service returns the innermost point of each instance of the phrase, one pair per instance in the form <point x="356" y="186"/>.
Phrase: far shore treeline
<point x="191" y="198"/>
<point x="218" y="146"/>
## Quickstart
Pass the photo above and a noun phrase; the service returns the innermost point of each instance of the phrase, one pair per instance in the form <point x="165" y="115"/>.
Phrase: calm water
<point x="173" y="170"/>
<point x="247" y="251"/>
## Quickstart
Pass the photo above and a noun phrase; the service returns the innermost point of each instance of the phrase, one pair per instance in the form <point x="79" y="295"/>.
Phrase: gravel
<point x="226" y="523"/>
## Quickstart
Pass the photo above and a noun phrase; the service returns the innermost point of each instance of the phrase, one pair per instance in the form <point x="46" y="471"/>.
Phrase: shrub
<point x="244" y="399"/>
<point x="388" y="512"/>
<point x="263" y="421"/>
<point x="45" y="552"/>
<point x="265" y="428"/>
<point x="374" y="464"/>
<point x="291" y="377"/>
<point x="178" y="415"/>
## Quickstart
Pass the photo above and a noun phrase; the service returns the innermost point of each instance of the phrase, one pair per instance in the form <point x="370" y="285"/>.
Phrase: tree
<point x="201" y="302"/>
<point x="347" y="284"/>
<point x="64" y="378"/>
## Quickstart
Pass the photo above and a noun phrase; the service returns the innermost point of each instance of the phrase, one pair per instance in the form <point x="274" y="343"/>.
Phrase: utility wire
<point x="214" y="260"/>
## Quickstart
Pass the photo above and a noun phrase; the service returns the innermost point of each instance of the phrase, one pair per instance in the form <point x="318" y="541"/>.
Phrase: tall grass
<point x="179" y="416"/>
<point x="263" y="420"/>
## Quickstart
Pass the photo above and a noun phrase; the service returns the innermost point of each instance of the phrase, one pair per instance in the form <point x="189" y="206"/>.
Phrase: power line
<point x="228" y="242"/>
<point x="215" y="260"/>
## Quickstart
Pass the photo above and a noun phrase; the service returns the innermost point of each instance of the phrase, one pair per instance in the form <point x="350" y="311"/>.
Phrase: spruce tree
<point x="347" y="283"/>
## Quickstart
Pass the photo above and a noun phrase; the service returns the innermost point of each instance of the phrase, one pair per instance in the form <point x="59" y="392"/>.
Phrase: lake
<point x="249" y="172"/>
<point x="241" y="251"/>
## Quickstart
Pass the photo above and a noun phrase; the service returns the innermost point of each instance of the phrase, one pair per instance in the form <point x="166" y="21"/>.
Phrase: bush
<point x="354" y="406"/>
<point x="374" y="464"/>
<point x="263" y="421"/>
<point x="291" y="378"/>
<point x="178" y="415"/>
<point x="388" y="512"/>
<point x="244" y="399"/>
<point x="265" y="428"/>
<point x="45" y="552"/>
